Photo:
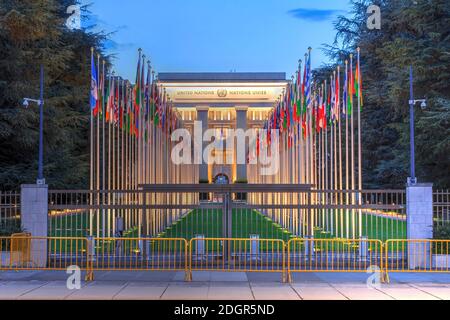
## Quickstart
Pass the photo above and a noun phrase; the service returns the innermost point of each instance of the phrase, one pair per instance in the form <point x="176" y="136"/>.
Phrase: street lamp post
<point x="40" y="179"/>
<point x="412" y="179"/>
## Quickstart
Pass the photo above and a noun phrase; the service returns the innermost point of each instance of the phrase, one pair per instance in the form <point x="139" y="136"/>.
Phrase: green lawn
<point x="208" y="222"/>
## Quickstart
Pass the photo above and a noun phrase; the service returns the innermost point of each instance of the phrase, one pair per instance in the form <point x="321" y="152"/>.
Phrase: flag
<point x="337" y="101"/>
<point x="116" y="103"/>
<point x="351" y="89"/>
<point x="298" y="97"/>
<point x="101" y="91"/>
<point x="110" y="102"/>
<point x="137" y="89"/>
<point x="307" y="84"/>
<point x="306" y="94"/>
<point x="94" y="87"/>
<point x="157" y="109"/>
<point x="345" y="94"/>
<point x="358" y="82"/>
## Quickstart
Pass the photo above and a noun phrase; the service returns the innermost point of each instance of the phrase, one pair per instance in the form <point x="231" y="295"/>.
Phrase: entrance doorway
<point x="221" y="178"/>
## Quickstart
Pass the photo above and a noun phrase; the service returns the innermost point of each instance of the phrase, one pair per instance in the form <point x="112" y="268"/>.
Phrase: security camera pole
<point x="40" y="102"/>
<point x="412" y="102"/>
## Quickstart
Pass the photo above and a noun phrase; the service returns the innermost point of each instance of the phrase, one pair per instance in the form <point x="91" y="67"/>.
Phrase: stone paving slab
<point x="98" y="290"/>
<point x="222" y="285"/>
<point x="141" y="291"/>
<point x="230" y="293"/>
<point x="14" y="289"/>
<point x="55" y="290"/>
<point x="361" y="292"/>
<point x="185" y="292"/>
<point x="317" y="291"/>
<point x="270" y="291"/>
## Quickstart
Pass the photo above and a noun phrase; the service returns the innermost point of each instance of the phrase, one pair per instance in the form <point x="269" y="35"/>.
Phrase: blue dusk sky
<point x="216" y="35"/>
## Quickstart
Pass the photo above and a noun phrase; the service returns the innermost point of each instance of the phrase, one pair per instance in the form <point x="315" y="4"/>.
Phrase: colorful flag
<point x="94" y="87"/>
<point x="351" y="89"/>
<point x="345" y="94"/>
<point x="358" y="82"/>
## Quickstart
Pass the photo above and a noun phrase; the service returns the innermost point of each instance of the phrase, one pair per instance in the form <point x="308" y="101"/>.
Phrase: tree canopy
<point x="417" y="33"/>
<point x="413" y="33"/>
<point x="33" y="32"/>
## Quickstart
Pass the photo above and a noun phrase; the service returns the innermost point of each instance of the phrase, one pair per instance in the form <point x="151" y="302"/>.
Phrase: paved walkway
<point x="222" y="285"/>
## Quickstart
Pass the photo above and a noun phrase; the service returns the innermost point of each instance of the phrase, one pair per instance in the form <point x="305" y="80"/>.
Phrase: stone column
<point x="241" y="123"/>
<point x="34" y="215"/>
<point x="419" y="223"/>
<point x="202" y="115"/>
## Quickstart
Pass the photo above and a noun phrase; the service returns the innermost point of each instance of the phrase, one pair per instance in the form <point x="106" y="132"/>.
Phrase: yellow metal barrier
<point x="24" y="252"/>
<point x="334" y="255"/>
<point x="422" y="255"/>
<point x="127" y="254"/>
<point x="20" y="253"/>
<point x="237" y="255"/>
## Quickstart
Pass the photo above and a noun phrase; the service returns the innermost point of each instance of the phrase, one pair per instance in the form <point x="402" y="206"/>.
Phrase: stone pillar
<point x="34" y="215"/>
<point x="241" y="123"/>
<point x="419" y="223"/>
<point x="202" y="115"/>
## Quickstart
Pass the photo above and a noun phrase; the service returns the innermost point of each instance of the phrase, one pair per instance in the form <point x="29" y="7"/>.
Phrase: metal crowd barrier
<point x="334" y="255"/>
<point x="298" y="255"/>
<point x="139" y="254"/>
<point x="24" y="252"/>
<point x="426" y="255"/>
<point x="237" y="255"/>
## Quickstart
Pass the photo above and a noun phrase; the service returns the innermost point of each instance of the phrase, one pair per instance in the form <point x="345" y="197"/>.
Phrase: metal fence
<point x="25" y="252"/>
<point x="299" y="255"/>
<point x="350" y="214"/>
<point x="127" y="254"/>
<point x="441" y="207"/>
<point x="269" y="211"/>
<point x="239" y="255"/>
<point x="9" y="212"/>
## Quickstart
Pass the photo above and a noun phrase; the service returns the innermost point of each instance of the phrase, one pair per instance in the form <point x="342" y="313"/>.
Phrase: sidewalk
<point x="222" y="285"/>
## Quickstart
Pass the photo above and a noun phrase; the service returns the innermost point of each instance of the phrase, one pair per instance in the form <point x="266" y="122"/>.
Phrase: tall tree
<point x="413" y="33"/>
<point x="33" y="32"/>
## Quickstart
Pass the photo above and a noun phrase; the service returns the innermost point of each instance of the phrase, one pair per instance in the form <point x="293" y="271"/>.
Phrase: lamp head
<point x="25" y="103"/>
<point x="423" y="105"/>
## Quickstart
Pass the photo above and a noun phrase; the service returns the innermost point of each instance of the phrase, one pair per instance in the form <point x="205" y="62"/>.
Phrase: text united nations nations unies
<point x="225" y="309"/>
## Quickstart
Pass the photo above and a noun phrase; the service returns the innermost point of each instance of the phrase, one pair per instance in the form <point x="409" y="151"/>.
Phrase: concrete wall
<point x="34" y="216"/>
<point x="419" y="219"/>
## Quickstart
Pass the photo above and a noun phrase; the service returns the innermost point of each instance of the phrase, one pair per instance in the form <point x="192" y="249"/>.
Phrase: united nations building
<point x="222" y="101"/>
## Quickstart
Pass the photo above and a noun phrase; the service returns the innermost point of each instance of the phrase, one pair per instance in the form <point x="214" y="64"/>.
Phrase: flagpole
<point x="327" y="178"/>
<point x="359" y="143"/>
<point x="103" y="148"/>
<point x="335" y="170"/>
<point x="332" y="171"/>
<point x="97" y="154"/>
<point x="111" y="80"/>
<point x="122" y="151"/>
<point x="352" y="145"/>
<point x="338" y="105"/>
<point x="347" y="213"/>
<point x="91" y="183"/>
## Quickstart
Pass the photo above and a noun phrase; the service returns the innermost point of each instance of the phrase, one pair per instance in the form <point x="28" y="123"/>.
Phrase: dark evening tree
<point x="33" y="32"/>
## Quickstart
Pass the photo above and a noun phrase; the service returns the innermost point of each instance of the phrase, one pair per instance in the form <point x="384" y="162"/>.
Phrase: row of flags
<point x="324" y="100"/>
<point x="131" y="106"/>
